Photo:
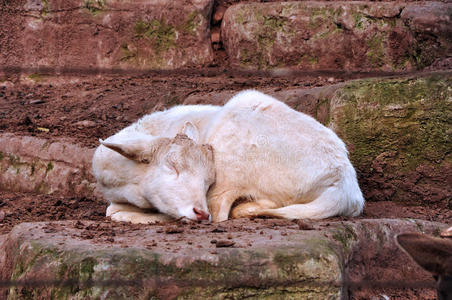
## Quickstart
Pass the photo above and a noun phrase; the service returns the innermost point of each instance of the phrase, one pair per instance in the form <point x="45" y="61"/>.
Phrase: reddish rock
<point x="350" y="35"/>
<point x="106" y="34"/>
<point x="39" y="165"/>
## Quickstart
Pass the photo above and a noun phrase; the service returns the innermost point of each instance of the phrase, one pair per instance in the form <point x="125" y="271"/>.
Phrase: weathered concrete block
<point x="311" y="35"/>
<point x="152" y="34"/>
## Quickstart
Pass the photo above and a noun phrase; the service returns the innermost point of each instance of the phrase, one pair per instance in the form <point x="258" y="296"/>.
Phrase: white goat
<point x="139" y="169"/>
<point x="285" y="163"/>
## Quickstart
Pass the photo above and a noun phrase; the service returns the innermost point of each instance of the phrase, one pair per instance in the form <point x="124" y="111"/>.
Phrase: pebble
<point x="224" y="244"/>
<point x="85" y="123"/>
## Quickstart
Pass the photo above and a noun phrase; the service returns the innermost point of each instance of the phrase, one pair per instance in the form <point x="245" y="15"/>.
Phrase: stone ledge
<point x="297" y="264"/>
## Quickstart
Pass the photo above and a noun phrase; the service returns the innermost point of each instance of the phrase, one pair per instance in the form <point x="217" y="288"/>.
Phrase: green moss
<point x="409" y="119"/>
<point x="87" y="269"/>
<point x="346" y="236"/>
<point x="126" y="53"/>
<point x="192" y="23"/>
<point x="313" y="60"/>
<point x="36" y="77"/>
<point x="358" y="18"/>
<point x="45" y="8"/>
<point x="161" y="34"/>
<point x="436" y="232"/>
<point x="95" y="7"/>
<point x="49" y="167"/>
<point x="375" y="51"/>
<point x="2" y="156"/>
<point x="15" y="162"/>
<point x="323" y="104"/>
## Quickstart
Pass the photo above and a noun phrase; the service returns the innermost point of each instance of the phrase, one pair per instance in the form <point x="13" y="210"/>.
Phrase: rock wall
<point x="106" y="33"/>
<point x="399" y="134"/>
<point x="348" y="35"/>
<point x="157" y="34"/>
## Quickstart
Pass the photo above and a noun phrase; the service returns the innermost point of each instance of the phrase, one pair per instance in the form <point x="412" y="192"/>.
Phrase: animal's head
<point x="177" y="171"/>
<point x="432" y="254"/>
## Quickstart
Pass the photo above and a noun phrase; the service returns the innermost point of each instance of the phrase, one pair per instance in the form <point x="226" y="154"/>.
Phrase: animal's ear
<point x="433" y="254"/>
<point x="138" y="149"/>
<point x="191" y="131"/>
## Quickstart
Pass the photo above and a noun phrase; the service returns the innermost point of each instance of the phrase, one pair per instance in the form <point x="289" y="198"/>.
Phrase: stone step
<point x="304" y="35"/>
<point x="106" y="34"/>
<point x="137" y="264"/>
<point x="336" y="35"/>
<point x="397" y="131"/>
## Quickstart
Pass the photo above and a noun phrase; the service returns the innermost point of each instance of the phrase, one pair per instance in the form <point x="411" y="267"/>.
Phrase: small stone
<point x="302" y="225"/>
<point x="173" y="229"/>
<point x="224" y="244"/>
<point x="219" y="229"/>
<point x="2" y="215"/>
<point x="446" y="233"/>
<point x="36" y="101"/>
<point x="85" y="123"/>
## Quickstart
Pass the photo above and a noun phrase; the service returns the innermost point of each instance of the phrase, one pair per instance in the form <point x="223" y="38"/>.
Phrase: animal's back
<point x="281" y="154"/>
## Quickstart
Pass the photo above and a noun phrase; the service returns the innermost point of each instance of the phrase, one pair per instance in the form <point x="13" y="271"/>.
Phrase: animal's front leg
<point x="220" y="204"/>
<point x="135" y="215"/>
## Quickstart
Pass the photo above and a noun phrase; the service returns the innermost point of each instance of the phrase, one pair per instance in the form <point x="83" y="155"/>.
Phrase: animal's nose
<point x="200" y="214"/>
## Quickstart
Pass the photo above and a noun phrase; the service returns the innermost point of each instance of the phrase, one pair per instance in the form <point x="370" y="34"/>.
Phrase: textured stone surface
<point x="38" y="165"/>
<point x="311" y="35"/>
<point x="299" y="265"/>
<point x="398" y="132"/>
<point x="106" y="33"/>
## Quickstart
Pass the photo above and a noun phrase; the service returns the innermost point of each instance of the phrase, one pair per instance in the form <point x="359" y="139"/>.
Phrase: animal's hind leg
<point x="135" y="215"/>
<point x="252" y="209"/>
<point x="330" y="203"/>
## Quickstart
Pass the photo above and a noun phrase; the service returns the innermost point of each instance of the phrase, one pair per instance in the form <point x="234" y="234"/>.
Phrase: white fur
<point x="265" y="150"/>
<point x="285" y="162"/>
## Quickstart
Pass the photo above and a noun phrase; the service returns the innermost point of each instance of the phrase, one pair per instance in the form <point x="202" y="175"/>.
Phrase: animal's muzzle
<point x="200" y="214"/>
